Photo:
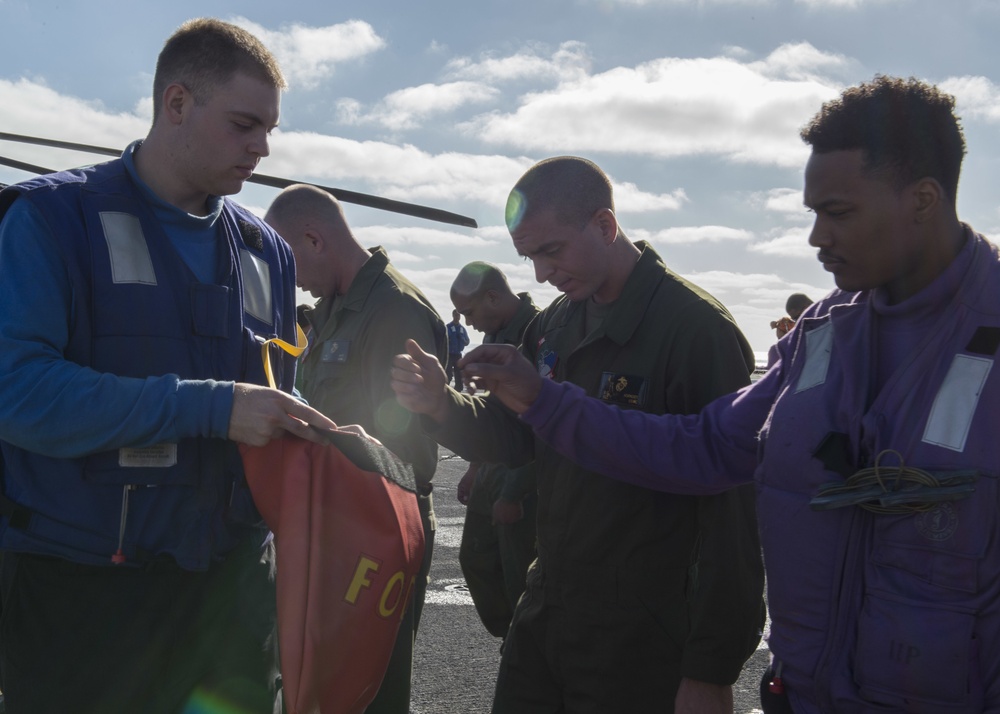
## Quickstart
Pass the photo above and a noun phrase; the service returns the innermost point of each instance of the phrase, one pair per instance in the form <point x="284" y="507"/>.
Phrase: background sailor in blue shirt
<point x="458" y="340"/>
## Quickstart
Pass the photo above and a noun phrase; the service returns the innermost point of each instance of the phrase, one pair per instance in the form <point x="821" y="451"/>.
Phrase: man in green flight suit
<point x="638" y="601"/>
<point x="365" y="312"/>
<point x="498" y="539"/>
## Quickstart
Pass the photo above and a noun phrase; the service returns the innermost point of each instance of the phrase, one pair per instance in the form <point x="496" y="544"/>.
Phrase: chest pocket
<point x="337" y="363"/>
<point x="917" y="648"/>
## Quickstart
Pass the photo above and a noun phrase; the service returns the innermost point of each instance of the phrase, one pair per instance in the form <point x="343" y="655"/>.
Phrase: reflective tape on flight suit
<point x="256" y="286"/>
<point x="956" y="401"/>
<point x="130" y="263"/>
<point x="819" y="343"/>
<point x="127" y="249"/>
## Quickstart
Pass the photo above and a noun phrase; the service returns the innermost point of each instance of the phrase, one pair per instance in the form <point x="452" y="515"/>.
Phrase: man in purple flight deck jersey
<point x="872" y="440"/>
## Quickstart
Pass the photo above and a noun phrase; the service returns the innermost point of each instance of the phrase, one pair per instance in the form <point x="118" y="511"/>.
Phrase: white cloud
<point x="771" y="293"/>
<point x="308" y="55"/>
<point x="747" y="112"/>
<point x="699" y="3"/>
<point x="975" y="97"/>
<point x="754" y="289"/>
<point x="434" y="283"/>
<point x="31" y="108"/>
<point x="406" y="173"/>
<point x="629" y="198"/>
<point x="786" y="202"/>
<point x="144" y="109"/>
<point x="571" y="61"/>
<point x="692" y="234"/>
<point x="406" y="108"/>
<point x="845" y="4"/>
<point x="401" y="256"/>
<point x="790" y="243"/>
<point x="800" y="61"/>
<point x="736" y="52"/>
<point x="403" y="172"/>
<point x="496" y="234"/>
<point x="419" y="238"/>
<point x="754" y="298"/>
<point x="726" y="280"/>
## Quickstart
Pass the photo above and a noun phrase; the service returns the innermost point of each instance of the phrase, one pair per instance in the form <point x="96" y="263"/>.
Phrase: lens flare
<point x="517" y="204"/>
<point x="202" y="702"/>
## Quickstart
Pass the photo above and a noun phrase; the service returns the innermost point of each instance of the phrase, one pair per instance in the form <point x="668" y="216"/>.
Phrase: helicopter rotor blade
<point x="360" y="199"/>
<point x="31" y="168"/>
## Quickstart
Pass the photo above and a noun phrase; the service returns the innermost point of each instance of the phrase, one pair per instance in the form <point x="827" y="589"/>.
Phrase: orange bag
<point x="349" y="545"/>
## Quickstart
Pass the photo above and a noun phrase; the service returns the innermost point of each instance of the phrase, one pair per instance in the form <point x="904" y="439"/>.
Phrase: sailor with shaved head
<point x="365" y="312"/>
<point x="498" y="538"/>
<point x="637" y="601"/>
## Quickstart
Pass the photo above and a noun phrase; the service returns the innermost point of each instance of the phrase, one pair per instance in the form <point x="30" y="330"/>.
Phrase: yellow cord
<point x="294" y="350"/>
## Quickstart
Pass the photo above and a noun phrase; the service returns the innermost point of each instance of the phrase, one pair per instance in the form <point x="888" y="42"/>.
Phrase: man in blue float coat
<point x="136" y="574"/>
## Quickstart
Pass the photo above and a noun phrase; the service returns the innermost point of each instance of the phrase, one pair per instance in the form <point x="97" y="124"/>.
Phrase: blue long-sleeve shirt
<point x="57" y="407"/>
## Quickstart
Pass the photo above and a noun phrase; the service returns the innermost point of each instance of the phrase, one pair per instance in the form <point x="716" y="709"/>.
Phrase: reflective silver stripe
<point x="955" y="404"/>
<point x="127" y="248"/>
<point x="819" y="343"/>
<point x="256" y="286"/>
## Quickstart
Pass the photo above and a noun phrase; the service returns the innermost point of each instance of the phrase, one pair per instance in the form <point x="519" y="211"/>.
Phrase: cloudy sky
<point x="692" y="107"/>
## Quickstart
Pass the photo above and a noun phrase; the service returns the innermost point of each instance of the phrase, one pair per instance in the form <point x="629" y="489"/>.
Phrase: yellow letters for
<point x="365" y="566"/>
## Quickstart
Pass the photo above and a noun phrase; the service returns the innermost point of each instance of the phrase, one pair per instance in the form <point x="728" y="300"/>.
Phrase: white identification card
<point x="157" y="456"/>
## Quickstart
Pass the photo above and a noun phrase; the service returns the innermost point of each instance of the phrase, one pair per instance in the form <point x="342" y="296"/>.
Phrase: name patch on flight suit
<point x="336" y="351"/>
<point x="149" y="457"/>
<point x="625" y="389"/>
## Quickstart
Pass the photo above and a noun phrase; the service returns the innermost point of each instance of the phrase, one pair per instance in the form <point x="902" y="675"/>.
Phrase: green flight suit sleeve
<point x="725" y="599"/>
<point x="393" y="425"/>
<point x="483" y="430"/>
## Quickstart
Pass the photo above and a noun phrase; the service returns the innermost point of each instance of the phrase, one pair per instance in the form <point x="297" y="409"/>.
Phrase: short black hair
<point x="573" y="187"/>
<point x="905" y="127"/>
<point x="797" y="302"/>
